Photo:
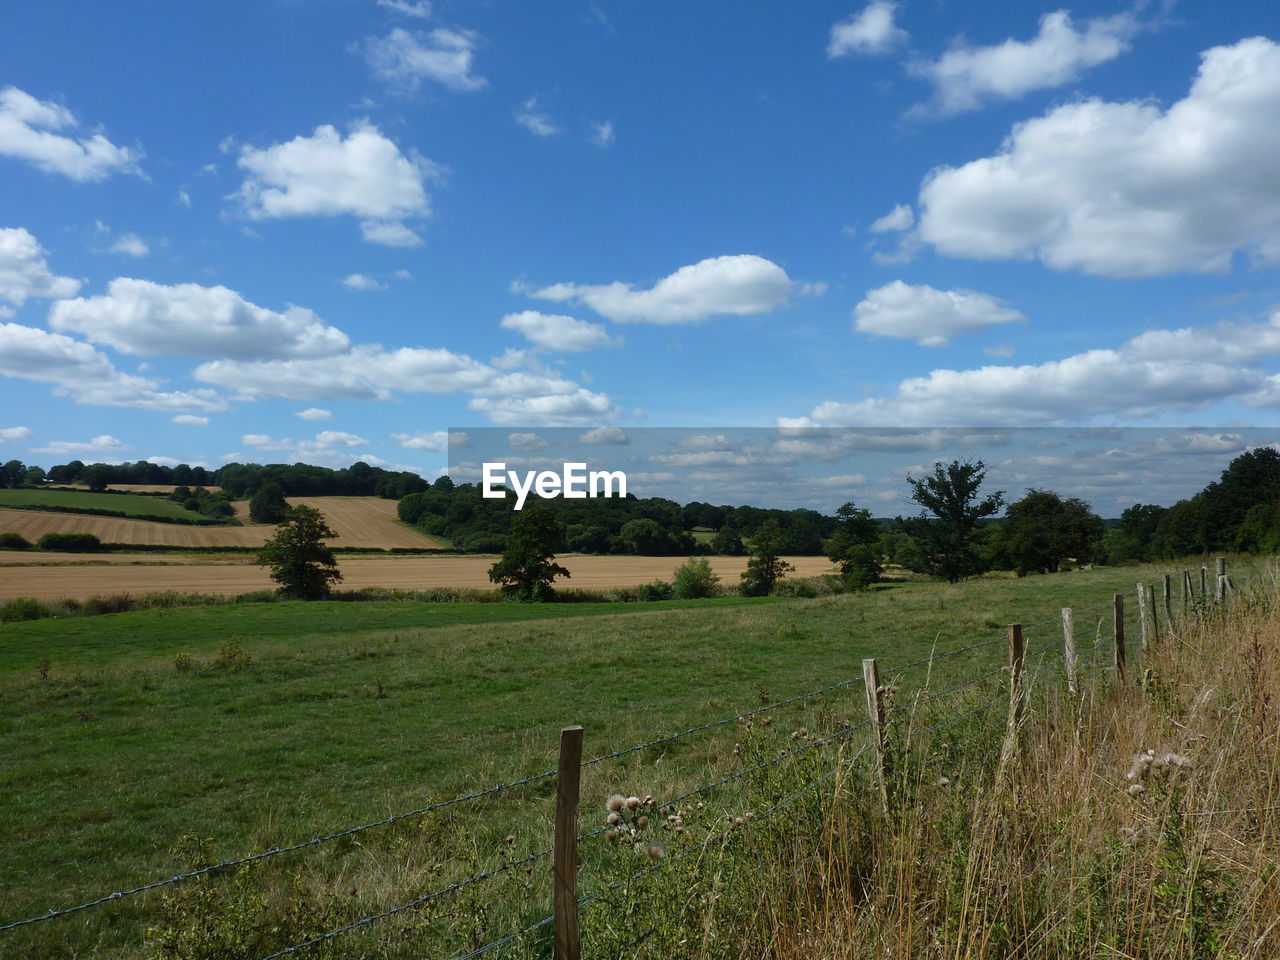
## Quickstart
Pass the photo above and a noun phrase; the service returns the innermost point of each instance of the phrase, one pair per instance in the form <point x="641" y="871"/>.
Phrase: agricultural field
<point x="260" y="725"/>
<point x="149" y="574"/>
<point x="359" y="522"/>
<point x="134" y="506"/>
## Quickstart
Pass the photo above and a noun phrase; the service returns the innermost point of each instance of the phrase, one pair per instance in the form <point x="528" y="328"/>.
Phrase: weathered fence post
<point x="875" y="714"/>
<point x="1167" y="595"/>
<point x="1155" y="619"/>
<point x="1143" y="624"/>
<point x="1118" y="601"/>
<point x="1186" y="591"/>
<point x="1069" y="648"/>
<point x="1204" y="581"/>
<point x="1017" y="695"/>
<point x="1223" y="586"/>
<point x="568" y="946"/>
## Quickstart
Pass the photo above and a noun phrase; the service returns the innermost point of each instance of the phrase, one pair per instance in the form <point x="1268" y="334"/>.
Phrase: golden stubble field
<point x="58" y="576"/>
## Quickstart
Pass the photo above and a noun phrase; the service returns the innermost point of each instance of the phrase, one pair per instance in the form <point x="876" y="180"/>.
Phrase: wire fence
<point x="1124" y="621"/>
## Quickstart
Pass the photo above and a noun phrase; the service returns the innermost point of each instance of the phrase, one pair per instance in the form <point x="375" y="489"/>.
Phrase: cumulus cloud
<point x="1231" y="341"/>
<point x="98" y="445"/>
<point x="535" y="120"/>
<point x="364" y="175"/>
<point x="1128" y="189"/>
<point x="190" y="420"/>
<point x="29" y="130"/>
<point x="14" y="434"/>
<point x="329" y="448"/>
<point x="612" y="436"/>
<point x="929" y="316"/>
<point x="434" y="440"/>
<point x="314" y="413"/>
<point x="526" y="441"/>
<point x="361" y="281"/>
<point x="149" y="319"/>
<point x="419" y="9"/>
<point x="24" y="271"/>
<point x="734" y="285"/>
<point x="897" y="219"/>
<point x="965" y="77"/>
<point x="404" y="59"/>
<point x="870" y="32"/>
<point x="602" y="134"/>
<point x="557" y="332"/>
<point x="86" y="374"/>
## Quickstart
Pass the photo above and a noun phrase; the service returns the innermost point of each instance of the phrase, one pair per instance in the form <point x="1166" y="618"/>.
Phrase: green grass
<point x="352" y="711"/>
<point x="133" y="505"/>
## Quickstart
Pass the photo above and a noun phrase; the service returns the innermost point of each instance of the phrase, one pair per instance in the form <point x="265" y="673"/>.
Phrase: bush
<point x="14" y="541"/>
<point x="695" y="580"/>
<point x="26" y="608"/>
<point x="69" y="542"/>
<point x="658" y="590"/>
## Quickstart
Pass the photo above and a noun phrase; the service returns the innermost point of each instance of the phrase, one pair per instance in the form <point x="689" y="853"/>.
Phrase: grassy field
<point x="132" y="505"/>
<point x="258" y="726"/>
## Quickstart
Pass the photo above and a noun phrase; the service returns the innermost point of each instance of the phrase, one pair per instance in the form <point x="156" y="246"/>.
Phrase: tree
<point x="946" y="529"/>
<point x="96" y="477"/>
<point x="695" y="580"/>
<point x="527" y="567"/>
<point x="727" y="542"/>
<point x="854" y="546"/>
<point x="299" y="560"/>
<point x="765" y="567"/>
<point x="11" y="473"/>
<point x="268" y="505"/>
<point x="1043" y="530"/>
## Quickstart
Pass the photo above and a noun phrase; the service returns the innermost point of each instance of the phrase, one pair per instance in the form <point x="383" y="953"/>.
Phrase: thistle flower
<point x="615" y="802"/>
<point x="1135" y="789"/>
<point x="611" y="834"/>
<point x="656" y="851"/>
<point x="613" y="819"/>
<point x="642" y="822"/>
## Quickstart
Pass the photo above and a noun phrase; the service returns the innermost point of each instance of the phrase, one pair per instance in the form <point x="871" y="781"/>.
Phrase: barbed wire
<point x="276" y="851"/>
<point x="411" y="905"/>
<point x="510" y="938"/>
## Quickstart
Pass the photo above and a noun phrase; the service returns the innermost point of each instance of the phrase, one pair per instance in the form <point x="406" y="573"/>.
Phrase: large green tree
<point x="528" y="568"/>
<point x="1043" y="529"/>
<point x="268" y="505"/>
<point x="764" y="566"/>
<point x="298" y="557"/>
<point x="946" y="530"/>
<point x="854" y="547"/>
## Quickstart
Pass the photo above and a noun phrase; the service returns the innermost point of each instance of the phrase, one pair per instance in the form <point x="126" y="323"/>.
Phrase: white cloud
<point x="1245" y="342"/>
<point x="86" y="375"/>
<point x="364" y="175"/>
<point x="190" y="420"/>
<point x="360" y="281"/>
<point x="25" y="273"/>
<point x="131" y="245"/>
<point x="999" y="350"/>
<point x="365" y="373"/>
<point x="14" y="434"/>
<point x="405" y="59"/>
<point x="420" y="9"/>
<point x="537" y="121"/>
<point x="602" y="134"/>
<point x="965" y="77"/>
<point x="27" y="132"/>
<point x="314" y="413"/>
<point x="101" y="444"/>
<point x="150" y="319"/>
<point x="929" y="316"/>
<point x="184" y="198"/>
<point x="336" y="438"/>
<point x="526" y="441"/>
<point x="557" y="332"/>
<point x="1128" y="189"/>
<point x="328" y="448"/>
<point x="434" y="440"/>
<point x="897" y="219"/>
<point x="870" y="32"/>
<point x="613" y="436"/>
<point x="737" y="285"/>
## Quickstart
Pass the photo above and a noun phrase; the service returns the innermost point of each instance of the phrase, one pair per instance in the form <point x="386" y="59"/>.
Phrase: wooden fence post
<point x="1204" y="581"/>
<point x="1155" y="619"/>
<point x="1167" y="594"/>
<point x="1186" y="591"/>
<point x="1143" y="624"/>
<point x="1069" y="648"/>
<point x="568" y="945"/>
<point x="1118" y="603"/>
<point x="1223" y="586"/>
<point x="875" y="713"/>
<point x="1016" y="696"/>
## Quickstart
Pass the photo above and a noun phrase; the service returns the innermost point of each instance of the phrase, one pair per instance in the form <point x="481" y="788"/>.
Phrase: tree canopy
<point x="945" y="532"/>
<point x="528" y="568"/>
<point x="299" y="559"/>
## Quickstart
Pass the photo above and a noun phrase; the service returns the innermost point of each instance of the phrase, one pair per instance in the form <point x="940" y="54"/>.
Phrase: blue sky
<point x="331" y="229"/>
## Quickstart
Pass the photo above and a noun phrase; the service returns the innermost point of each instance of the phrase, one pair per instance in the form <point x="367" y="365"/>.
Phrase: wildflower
<point x="615" y="802"/>
<point x="1135" y="789"/>
<point x="642" y="822"/>
<point x="656" y="851"/>
<point x="1176" y="760"/>
<point x="611" y="834"/>
<point x="942" y="782"/>
<point x="648" y="800"/>
<point x="510" y="839"/>
<point x="613" y="819"/>
<point x="765" y="721"/>
<point x="748" y="816"/>
<point x="739" y="821"/>
<point x="633" y="803"/>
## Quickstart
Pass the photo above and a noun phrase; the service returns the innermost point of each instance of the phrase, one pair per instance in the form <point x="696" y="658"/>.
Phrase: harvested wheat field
<point x="81" y="581"/>
<point x="358" y="521"/>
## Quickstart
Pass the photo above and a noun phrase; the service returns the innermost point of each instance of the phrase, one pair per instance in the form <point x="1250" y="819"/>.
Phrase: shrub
<point x="69" y="542"/>
<point x="27" y="608"/>
<point x="14" y="541"/>
<point x="658" y="590"/>
<point x="232" y="656"/>
<point x="695" y="580"/>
